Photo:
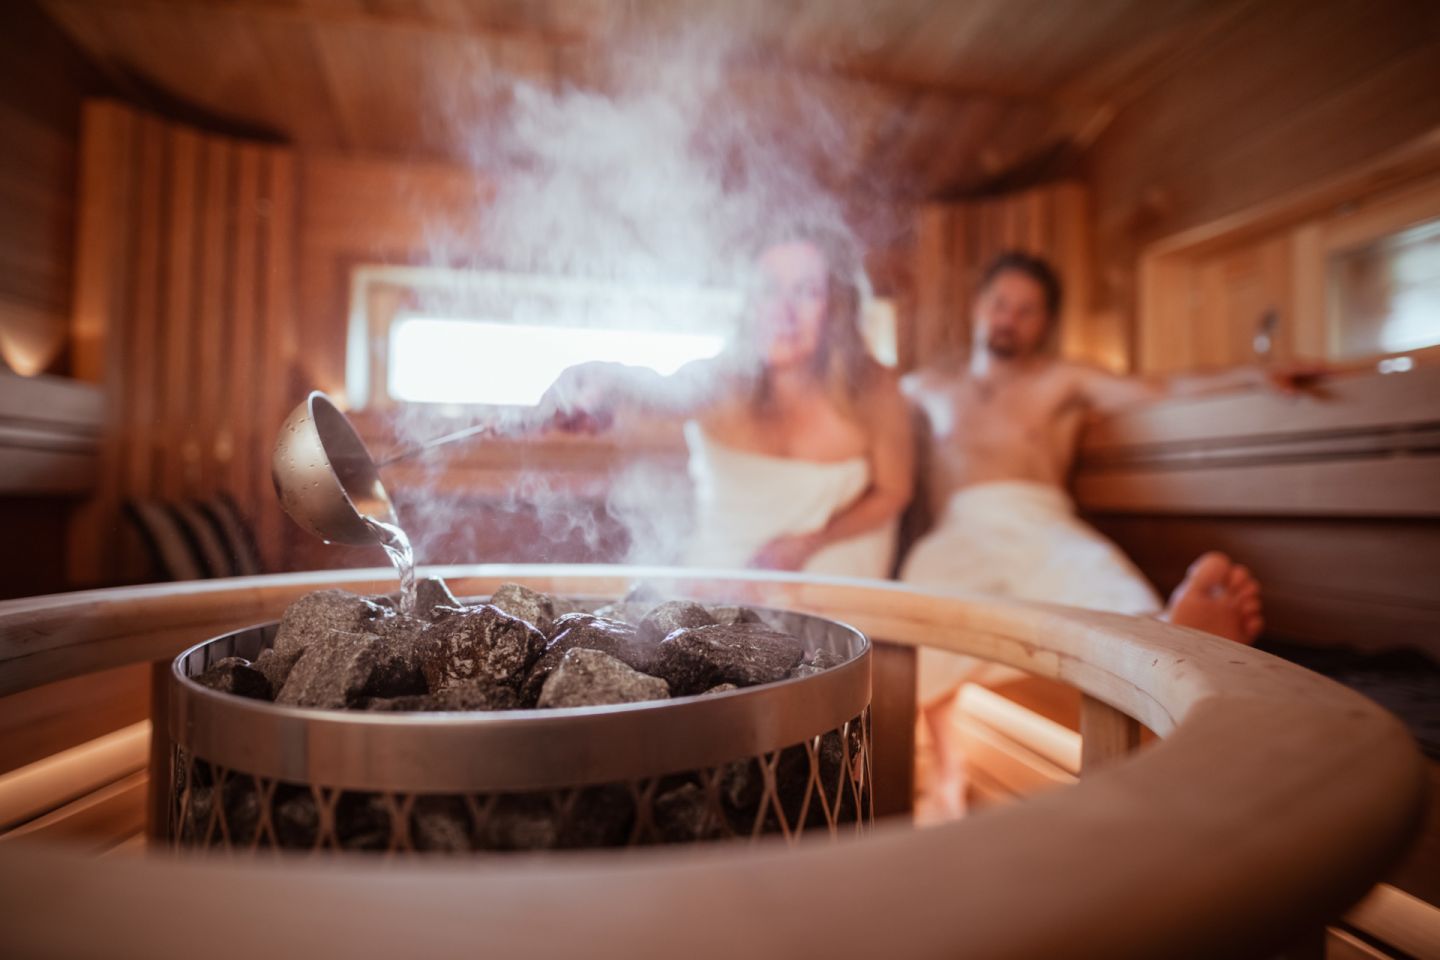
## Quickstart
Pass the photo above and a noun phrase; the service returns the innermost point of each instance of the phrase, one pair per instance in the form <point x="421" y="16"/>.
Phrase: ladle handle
<point x="573" y="422"/>
<point x="419" y="448"/>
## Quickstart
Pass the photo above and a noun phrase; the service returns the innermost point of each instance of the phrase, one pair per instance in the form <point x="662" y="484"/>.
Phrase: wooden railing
<point x="1273" y="801"/>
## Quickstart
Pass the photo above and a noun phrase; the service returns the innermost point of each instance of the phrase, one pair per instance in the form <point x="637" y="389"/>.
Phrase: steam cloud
<point x="676" y="174"/>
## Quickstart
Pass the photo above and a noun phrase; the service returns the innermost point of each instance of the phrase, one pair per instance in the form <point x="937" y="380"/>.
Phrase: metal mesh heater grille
<point x="788" y="758"/>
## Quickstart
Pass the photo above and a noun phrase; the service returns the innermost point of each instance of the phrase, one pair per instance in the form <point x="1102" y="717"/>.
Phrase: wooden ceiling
<point x="920" y="98"/>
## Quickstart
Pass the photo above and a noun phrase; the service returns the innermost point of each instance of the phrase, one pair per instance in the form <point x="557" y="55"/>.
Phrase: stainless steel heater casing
<point x="788" y="757"/>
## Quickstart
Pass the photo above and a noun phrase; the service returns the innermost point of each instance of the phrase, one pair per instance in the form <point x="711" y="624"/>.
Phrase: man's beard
<point x="1003" y="347"/>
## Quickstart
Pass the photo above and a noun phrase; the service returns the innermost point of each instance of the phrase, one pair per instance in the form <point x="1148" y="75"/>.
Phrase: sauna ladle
<point x="326" y="479"/>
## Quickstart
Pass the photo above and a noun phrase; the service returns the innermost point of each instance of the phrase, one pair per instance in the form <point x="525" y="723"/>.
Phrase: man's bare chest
<point x="979" y="409"/>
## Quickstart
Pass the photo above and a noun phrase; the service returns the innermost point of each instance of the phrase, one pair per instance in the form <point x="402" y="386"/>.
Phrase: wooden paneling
<point x="917" y="98"/>
<point x="62" y="715"/>
<point x="1288" y="96"/>
<point x="910" y="42"/>
<point x="956" y="242"/>
<point x="1290" y="93"/>
<point x="1210" y="317"/>
<point x="186" y="275"/>
<point x="39" y="787"/>
<point x="1205" y="291"/>
<point x="42" y="81"/>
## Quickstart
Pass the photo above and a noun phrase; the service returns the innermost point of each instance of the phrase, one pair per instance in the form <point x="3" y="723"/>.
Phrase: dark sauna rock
<point x="335" y="673"/>
<point x="242" y="809"/>
<point x="457" y="696"/>
<point x="477" y="696"/>
<point x="440" y="825"/>
<point x="362" y="822"/>
<point x="321" y="614"/>
<point x="535" y="608"/>
<point x="590" y="678"/>
<point x="627" y="613"/>
<point x="576" y="618"/>
<point x="815" y="662"/>
<point x="519" y="821"/>
<point x="296" y="817"/>
<point x="276" y="667"/>
<point x="398" y="670"/>
<point x="237" y="676"/>
<point x="741" y="785"/>
<point x="197" y="813"/>
<point x="720" y="688"/>
<point x="400" y="628"/>
<point x="831" y="756"/>
<point x="792" y="782"/>
<point x="619" y="640"/>
<point x="681" y="815"/>
<point x="668" y="617"/>
<point x="603" y="816"/>
<point x="433" y="599"/>
<point x="695" y="660"/>
<point x="481" y="644"/>
<point x="728" y="614"/>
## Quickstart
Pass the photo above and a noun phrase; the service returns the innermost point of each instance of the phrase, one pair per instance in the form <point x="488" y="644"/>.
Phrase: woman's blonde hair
<point x="842" y="362"/>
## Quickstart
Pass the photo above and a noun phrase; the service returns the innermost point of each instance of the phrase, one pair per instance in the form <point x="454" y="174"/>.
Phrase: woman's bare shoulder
<point x="883" y="393"/>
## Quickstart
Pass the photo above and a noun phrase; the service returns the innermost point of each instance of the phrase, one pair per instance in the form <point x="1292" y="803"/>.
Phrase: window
<point x="1385" y="295"/>
<point x="460" y="360"/>
<point x="422" y="335"/>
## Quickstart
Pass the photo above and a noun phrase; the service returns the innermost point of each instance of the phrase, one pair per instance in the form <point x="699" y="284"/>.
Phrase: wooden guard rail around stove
<point x="1273" y="800"/>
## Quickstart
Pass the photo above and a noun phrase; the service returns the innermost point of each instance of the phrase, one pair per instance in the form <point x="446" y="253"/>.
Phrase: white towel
<point x="744" y="500"/>
<point x="1020" y="540"/>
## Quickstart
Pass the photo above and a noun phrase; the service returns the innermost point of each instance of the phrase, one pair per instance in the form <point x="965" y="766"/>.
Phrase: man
<point x="1002" y="435"/>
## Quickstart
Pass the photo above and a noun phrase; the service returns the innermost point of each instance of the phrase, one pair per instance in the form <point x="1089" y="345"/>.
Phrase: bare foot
<point x="940" y="770"/>
<point x="1217" y="596"/>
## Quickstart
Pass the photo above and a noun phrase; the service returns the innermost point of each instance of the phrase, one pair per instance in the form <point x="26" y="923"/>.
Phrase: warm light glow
<point x="30" y="339"/>
<point x="457" y="360"/>
<point x="1396" y="365"/>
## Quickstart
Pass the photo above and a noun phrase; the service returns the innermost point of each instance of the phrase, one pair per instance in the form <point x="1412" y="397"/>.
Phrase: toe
<point x="1239" y="578"/>
<point x="1254" y="626"/>
<point x="1209" y="570"/>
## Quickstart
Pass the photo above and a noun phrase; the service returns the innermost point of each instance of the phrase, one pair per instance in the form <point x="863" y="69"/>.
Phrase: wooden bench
<point x="1332" y="498"/>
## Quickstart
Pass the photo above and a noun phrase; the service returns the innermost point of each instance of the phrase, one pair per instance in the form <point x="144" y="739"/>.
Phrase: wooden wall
<point x="954" y="242"/>
<point x="184" y="313"/>
<point x="42" y="81"/>
<point x="1287" y="94"/>
<point x="1204" y="293"/>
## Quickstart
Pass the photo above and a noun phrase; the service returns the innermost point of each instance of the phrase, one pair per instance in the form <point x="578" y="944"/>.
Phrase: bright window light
<point x="457" y="360"/>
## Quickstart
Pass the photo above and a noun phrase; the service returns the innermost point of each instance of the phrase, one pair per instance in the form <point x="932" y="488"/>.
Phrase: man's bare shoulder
<point x="1075" y="373"/>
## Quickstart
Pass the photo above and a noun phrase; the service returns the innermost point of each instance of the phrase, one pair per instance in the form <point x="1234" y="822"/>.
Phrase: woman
<point x="800" y="442"/>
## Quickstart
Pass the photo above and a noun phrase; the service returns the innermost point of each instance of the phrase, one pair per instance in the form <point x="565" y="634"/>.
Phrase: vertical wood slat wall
<point x="955" y="242"/>
<point x="184" y="311"/>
